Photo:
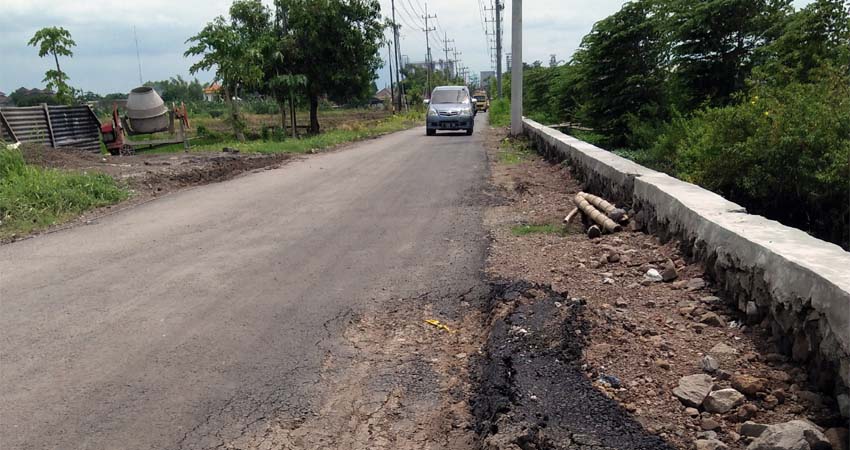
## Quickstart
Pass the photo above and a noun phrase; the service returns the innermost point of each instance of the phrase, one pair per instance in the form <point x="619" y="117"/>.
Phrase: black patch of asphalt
<point x="531" y="390"/>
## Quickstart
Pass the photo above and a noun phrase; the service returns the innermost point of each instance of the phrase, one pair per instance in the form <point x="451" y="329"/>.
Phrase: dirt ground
<point x="640" y="337"/>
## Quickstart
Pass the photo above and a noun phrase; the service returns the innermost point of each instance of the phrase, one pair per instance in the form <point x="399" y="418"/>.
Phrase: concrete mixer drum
<point x="146" y="113"/>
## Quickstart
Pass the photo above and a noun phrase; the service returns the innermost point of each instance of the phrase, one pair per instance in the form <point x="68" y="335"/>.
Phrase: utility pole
<point x="397" y="58"/>
<point x="498" y="8"/>
<point x="390" y="60"/>
<point x="428" y="45"/>
<point x="456" y="60"/>
<point x="446" y="48"/>
<point x="516" y="68"/>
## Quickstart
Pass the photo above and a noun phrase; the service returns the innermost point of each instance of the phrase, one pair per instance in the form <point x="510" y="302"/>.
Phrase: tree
<point x="338" y="43"/>
<point x="817" y="35"/>
<point x="282" y="58"/>
<point x="176" y="89"/>
<point x="55" y="41"/>
<point x="234" y="49"/>
<point x="621" y="68"/>
<point x="715" y="43"/>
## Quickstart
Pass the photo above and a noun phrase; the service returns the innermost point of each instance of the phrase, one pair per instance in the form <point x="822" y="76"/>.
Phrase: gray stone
<point x="723" y="400"/>
<point x="709" y="424"/>
<point x="746" y="412"/>
<point x="722" y="349"/>
<point x="695" y="284"/>
<point x="707" y="435"/>
<point x="709" y="364"/>
<point x="710" y="444"/>
<point x="752" y="429"/>
<point x="843" y="404"/>
<point x="752" y="311"/>
<point x="693" y="389"/>
<point x="669" y="273"/>
<point x="712" y="319"/>
<point x="810" y="397"/>
<point x="693" y="412"/>
<point x="793" y="435"/>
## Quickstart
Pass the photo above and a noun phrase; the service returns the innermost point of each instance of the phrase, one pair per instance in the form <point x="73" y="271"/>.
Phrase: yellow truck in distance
<point x="482" y="103"/>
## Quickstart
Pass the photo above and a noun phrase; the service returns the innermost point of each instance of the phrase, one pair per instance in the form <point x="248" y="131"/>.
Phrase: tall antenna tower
<point x="138" y="58"/>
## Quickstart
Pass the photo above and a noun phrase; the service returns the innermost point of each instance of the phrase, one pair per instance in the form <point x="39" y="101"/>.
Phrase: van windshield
<point x="449" y="96"/>
<point x="480" y="98"/>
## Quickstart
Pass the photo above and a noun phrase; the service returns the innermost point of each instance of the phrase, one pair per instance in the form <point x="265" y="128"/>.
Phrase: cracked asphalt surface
<point x="221" y="312"/>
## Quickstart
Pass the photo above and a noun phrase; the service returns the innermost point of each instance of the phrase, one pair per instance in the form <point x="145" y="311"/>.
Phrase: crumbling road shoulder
<point x="620" y="341"/>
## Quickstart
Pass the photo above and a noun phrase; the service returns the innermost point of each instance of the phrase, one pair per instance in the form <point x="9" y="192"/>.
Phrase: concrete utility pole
<point x="428" y="46"/>
<point x="446" y="48"/>
<point x="456" y="61"/>
<point x="390" y="60"/>
<point x="499" y="7"/>
<point x="516" y="68"/>
<point x="397" y="58"/>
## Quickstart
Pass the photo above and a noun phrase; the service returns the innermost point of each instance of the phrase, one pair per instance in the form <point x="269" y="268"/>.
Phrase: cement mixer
<point x="144" y="113"/>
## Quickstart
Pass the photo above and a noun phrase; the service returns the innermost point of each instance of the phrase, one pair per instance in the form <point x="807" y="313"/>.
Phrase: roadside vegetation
<point x="514" y="151"/>
<point x="33" y="198"/>
<point x="754" y="108"/>
<point x="271" y="140"/>
<point x="547" y="228"/>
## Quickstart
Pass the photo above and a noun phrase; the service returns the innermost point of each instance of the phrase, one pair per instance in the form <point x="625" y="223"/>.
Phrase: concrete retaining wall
<point x="796" y="286"/>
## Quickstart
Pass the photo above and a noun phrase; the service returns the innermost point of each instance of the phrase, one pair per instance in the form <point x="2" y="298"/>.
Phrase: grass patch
<point x="514" y="151"/>
<point x="347" y="133"/>
<point x="547" y="228"/>
<point x="33" y="198"/>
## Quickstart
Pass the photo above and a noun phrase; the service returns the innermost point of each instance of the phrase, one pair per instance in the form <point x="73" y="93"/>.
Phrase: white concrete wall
<point x="794" y="284"/>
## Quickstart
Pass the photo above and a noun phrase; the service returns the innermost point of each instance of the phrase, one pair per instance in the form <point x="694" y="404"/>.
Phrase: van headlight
<point x="432" y="112"/>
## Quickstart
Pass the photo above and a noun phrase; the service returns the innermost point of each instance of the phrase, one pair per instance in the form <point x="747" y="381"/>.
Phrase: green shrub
<point x="500" y="112"/>
<point x="32" y="197"/>
<point x="782" y="152"/>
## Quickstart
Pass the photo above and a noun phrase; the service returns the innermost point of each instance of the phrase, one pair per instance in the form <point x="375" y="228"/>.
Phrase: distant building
<point x="4" y="101"/>
<point x="484" y="79"/>
<point x="212" y="93"/>
<point x="384" y="94"/>
<point x="381" y="99"/>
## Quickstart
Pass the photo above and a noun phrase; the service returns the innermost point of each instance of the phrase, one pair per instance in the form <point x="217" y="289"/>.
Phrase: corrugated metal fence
<point x="55" y="126"/>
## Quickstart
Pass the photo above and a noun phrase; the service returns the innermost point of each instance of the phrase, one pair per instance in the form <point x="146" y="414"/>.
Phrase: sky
<point x="105" y="56"/>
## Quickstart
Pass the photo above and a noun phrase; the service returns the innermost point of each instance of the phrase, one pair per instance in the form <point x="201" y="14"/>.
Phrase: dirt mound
<point x="197" y="170"/>
<point x="532" y="392"/>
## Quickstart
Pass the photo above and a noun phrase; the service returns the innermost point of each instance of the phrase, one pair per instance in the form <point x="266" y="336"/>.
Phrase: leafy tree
<point x="234" y="49"/>
<point x="55" y="41"/>
<point x="282" y="58"/>
<point x="714" y="42"/>
<point x="817" y="35"/>
<point x="622" y="70"/>
<point x="23" y="97"/>
<point x="338" y="42"/>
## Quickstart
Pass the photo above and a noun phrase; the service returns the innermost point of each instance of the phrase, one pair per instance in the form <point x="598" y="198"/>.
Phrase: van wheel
<point x="469" y="131"/>
<point x="430" y="132"/>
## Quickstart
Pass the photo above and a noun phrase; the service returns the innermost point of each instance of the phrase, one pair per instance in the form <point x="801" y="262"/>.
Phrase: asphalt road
<point x="179" y="323"/>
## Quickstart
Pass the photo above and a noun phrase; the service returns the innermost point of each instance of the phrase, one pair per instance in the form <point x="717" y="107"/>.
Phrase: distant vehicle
<point x="450" y="108"/>
<point x="482" y="102"/>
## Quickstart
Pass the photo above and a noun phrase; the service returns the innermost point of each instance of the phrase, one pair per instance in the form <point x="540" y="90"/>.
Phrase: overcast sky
<point x="105" y="57"/>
